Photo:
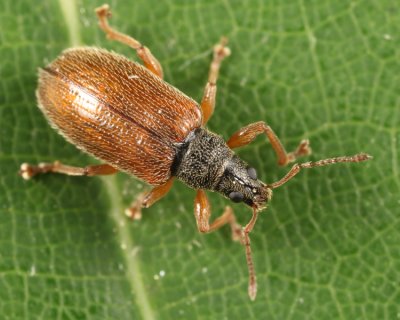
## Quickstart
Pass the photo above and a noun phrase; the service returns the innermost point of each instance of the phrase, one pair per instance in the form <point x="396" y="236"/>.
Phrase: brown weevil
<point x="126" y="115"/>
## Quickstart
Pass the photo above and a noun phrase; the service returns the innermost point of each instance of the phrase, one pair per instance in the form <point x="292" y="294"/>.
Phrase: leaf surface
<point x="327" y="247"/>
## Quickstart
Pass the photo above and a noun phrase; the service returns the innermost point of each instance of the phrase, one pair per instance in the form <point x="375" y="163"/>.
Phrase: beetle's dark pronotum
<point x="126" y="115"/>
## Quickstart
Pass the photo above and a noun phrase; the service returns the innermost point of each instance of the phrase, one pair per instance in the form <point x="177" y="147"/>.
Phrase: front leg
<point x="202" y="213"/>
<point x="247" y="134"/>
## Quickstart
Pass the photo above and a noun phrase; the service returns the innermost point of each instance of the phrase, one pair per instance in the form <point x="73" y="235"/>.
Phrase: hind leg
<point x="151" y="63"/>
<point x="28" y="171"/>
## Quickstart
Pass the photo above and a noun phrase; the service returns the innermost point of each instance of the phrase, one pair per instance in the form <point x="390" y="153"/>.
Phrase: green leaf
<point x="327" y="247"/>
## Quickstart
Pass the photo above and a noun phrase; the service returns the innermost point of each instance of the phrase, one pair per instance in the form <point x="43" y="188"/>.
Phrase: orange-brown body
<point x="117" y="110"/>
<point x="127" y="116"/>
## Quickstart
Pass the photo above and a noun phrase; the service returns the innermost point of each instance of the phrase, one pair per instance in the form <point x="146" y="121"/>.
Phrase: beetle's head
<point x="239" y="183"/>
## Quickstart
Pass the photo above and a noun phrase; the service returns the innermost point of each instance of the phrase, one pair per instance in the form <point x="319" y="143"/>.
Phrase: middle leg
<point x="146" y="199"/>
<point x="210" y="91"/>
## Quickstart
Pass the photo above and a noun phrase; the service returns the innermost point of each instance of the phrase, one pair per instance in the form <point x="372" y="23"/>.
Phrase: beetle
<point x="124" y="114"/>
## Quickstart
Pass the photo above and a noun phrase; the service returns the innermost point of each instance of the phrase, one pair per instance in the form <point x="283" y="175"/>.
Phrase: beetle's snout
<point x="262" y="197"/>
<point x="239" y="183"/>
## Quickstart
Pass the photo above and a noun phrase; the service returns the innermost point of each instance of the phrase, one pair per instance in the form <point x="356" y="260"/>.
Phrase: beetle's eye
<point x="252" y="173"/>
<point x="236" y="196"/>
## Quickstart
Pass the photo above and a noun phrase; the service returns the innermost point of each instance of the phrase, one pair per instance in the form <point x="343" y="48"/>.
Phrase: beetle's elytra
<point x="118" y="111"/>
<point x="125" y="115"/>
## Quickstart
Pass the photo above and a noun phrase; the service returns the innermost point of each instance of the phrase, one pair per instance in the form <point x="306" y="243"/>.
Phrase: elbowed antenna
<point x="320" y="163"/>
<point x="252" y="288"/>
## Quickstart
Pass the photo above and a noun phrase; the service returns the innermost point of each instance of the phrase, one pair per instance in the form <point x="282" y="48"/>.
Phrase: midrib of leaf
<point x="70" y="12"/>
<point x="133" y="271"/>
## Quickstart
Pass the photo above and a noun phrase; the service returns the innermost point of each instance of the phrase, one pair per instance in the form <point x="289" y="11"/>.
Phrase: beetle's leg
<point x="208" y="100"/>
<point x="247" y="134"/>
<point x="202" y="213"/>
<point x="151" y="63"/>
<point x="145" y="200"/>
<point x="307" y="165"/>
<point x="27" y="170"/>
